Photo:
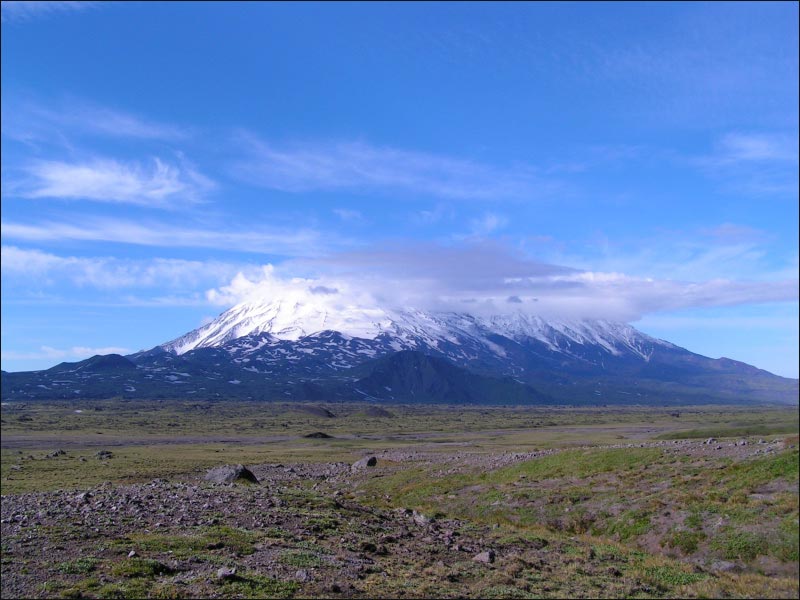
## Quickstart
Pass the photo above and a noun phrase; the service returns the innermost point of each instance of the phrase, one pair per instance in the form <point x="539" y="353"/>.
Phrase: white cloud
<point x="22" y="10"/>
<point x="28" y="119"/>
<point x="361" y="166"/>
<point x="726" y="251"/>
<point x="295" y="242"/>
<point x="487" y="278"/>
<point x="741" y="147"/>
<point x="487" y="224"/>
<point x="759" y="164"/>
<point x="40" y="268"/>
<point x="160" y="185"/>
<point x="346" y="214"/>
<point x="438" y="213"/>
<point x="75" y="352"/>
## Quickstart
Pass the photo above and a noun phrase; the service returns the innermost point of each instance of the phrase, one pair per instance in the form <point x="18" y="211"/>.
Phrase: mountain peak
<point x="296" y="317"/>
<point x="284" y="319"/>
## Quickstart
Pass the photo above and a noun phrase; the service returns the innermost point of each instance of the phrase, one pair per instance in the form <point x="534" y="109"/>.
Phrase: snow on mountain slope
<point x="297" y="318"/>
<point x="285" y="319"/>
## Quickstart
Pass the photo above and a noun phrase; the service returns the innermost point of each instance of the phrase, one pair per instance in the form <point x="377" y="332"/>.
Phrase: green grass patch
<point x="298" y="558"/>
<point x="186" y="545"/>
<point x="753" y="473"/>
<point x="742" y="545"/>
<point x="671" y="576"/>
<point x="128" y="590"/>
<point x="686" y="541"/>
<point x="258" y="586"/>
<point x="733" y="431"/>
<point x="78" y="566"/>
<point x="140" y="567"/>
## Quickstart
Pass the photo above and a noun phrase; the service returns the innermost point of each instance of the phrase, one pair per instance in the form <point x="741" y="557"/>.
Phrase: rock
<point x="103" y="454"/>
<point x="226" y="572"/>
<point x="301" y="576"/>
<point x="132" y="554"/>
<point x="724" y="566"/>
<point x="420" y="519"/>
<point x="486" y="557"/>
<point x="367" y="461"/>
<point x="230" y="473"/>
<point x="55" y="453"/>
<point x="318" y="435"/>
<point x="710" y="440"/>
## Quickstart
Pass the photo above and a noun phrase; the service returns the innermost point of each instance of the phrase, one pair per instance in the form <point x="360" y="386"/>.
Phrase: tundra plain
<point x="108" y="500"/>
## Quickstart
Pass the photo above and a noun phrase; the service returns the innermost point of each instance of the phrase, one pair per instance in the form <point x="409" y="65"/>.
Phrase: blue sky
<point x="626" y="161"/>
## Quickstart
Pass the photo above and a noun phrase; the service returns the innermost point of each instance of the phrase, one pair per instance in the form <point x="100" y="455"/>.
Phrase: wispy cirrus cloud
<point x="364" y="167"/>
<point x="348" y="214"/>
<point x="724" y="251"/>
<point x="755" y="147"/>
<point x="487" y="224"/>
<point x="755" y="163"/>
<point x="23" y="10"/>
<point x="75" y="352"/>
<point x="29" y="119"/>
<point x="157" y="185"/>
<point x="38" y="268"/>
<point x="291" y="242"/>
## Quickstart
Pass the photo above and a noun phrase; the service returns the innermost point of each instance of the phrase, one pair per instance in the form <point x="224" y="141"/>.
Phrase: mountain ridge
<point x="277" y="351"/>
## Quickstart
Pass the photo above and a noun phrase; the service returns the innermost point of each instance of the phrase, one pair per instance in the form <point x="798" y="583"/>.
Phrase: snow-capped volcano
<point x="296" y="318"/>
<point x="311" y="346"/>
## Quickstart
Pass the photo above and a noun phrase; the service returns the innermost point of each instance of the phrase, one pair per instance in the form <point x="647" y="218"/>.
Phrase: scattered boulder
<point x="367" y="461"/>
<point x="486" y="557"/>
<point x="55" y="453"/>
<point x="710" y="440"/>
<point x="301" y="576"/>
<point x="230" y="473"/>
<point x="319" y="435"/>
<point x="420" y="519"/>
<point x="226" y="572"/>
<point x="104" y="455"/>
<point x="725" y="566"/>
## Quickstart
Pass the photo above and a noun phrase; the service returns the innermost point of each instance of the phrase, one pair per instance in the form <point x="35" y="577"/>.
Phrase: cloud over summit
<point x="487" y="279"/>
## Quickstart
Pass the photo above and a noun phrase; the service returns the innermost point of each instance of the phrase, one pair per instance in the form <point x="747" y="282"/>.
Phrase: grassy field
<point x="161" y="439"/>
<point x="612" y="502"/>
